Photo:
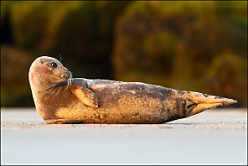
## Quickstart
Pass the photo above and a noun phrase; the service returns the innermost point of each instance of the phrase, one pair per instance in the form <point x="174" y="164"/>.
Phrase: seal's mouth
<point x="67" y="80"/>
<point x="66" y="74"/>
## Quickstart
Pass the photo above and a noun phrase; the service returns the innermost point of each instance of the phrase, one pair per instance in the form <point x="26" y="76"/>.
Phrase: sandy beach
<point x="216" y="136"/>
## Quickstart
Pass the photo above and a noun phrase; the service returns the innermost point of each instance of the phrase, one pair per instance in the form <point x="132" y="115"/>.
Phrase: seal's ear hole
<point x="41" y="62"/>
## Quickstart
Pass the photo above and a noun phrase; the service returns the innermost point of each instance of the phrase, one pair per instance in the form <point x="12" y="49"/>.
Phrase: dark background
<point x="196" y="46"/>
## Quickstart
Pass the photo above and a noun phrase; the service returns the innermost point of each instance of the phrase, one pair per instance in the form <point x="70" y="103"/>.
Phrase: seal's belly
<point x="120" y="103"/>
<point x="121" y="110"/>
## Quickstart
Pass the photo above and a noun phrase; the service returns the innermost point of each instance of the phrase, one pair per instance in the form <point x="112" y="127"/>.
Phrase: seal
<point x="59" y="98"/>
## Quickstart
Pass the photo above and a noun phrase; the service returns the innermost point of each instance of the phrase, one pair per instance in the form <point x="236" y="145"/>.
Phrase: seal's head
<point x="46" y="72"/>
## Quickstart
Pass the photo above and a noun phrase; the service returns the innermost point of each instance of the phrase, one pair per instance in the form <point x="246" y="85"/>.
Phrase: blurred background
<point x="189" y="45"/>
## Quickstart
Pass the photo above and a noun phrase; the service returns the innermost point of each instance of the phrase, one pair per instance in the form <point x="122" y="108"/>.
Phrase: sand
<point x="216" y="136"/>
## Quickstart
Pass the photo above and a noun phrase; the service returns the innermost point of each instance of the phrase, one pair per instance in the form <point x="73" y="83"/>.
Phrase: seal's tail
<point x="198" y="102"/>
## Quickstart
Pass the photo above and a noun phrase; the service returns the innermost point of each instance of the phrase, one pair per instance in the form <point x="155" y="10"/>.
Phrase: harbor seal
<point x="59" y="98"/>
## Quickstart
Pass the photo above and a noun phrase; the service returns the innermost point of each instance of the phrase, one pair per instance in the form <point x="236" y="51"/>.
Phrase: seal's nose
<point x="198" y="102"/>
<point x="66" y="73"/>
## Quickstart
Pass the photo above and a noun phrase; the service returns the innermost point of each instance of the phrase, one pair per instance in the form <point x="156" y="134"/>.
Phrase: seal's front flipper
<point x="62" y="121"/>
<point x="56" y="121"/>
<point x="87" y="96"/>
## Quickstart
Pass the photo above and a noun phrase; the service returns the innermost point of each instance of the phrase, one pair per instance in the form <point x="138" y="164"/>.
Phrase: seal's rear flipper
<point x="198" y="102"/>
<point x="87" y="96"/>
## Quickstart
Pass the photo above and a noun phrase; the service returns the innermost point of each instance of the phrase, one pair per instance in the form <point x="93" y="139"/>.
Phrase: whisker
<point x="52" y="88"/>
<point x="49" y="89"/>
<point x="69" y="81"/>
<point x="60" y="58"/>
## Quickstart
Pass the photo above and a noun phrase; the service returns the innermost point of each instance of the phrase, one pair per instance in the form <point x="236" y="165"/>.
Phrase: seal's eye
<point x="52" y="64"/>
